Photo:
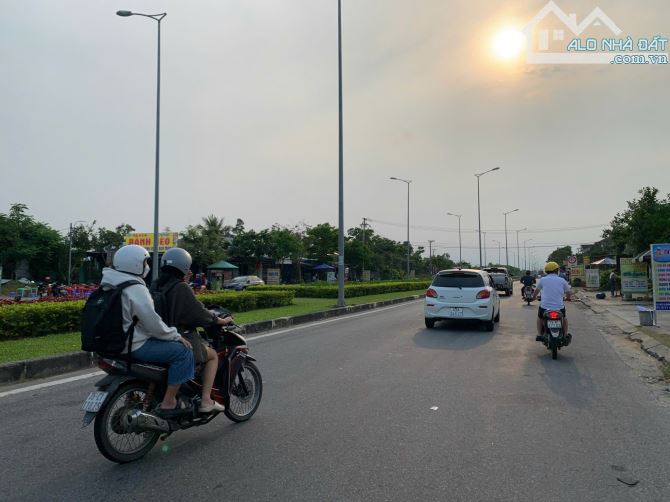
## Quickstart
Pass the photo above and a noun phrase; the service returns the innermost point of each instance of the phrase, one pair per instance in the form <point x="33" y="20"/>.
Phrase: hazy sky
<point x="249" y="116"/>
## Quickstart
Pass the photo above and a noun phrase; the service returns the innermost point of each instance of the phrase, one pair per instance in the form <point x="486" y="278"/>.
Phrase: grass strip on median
<point x="49" y="345"/>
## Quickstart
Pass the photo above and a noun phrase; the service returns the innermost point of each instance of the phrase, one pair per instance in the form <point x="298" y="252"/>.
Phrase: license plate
<point x="554" y="324"/>
<point x="455" y="312"/>
<point x="94" y="401"/>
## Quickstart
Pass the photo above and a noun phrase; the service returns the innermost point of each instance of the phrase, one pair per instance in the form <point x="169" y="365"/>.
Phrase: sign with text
<point x="577" y="272"/>
<point x="166" y="240"/>
<point x="592" y="278"/>
<point x="366" y="276"/>
<point x="330" y="277"/>
<point x="633" y="276"/>
<point x="587" y="260"/>
<point x="660" y="273"/>
<point x="273" y="276"/>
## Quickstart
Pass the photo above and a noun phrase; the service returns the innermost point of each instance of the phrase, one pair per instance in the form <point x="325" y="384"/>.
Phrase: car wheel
<point x="430" y="323"/>
<point x="489" y="325"/>
<point x="497" y="317"/>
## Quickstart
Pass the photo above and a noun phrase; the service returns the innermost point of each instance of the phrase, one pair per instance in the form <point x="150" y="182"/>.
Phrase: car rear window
<point x="458" y="280"/>
<point x="496" y="270"/>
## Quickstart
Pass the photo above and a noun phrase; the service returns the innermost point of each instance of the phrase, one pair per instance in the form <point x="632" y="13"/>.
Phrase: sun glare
<point x="508" y="43"/>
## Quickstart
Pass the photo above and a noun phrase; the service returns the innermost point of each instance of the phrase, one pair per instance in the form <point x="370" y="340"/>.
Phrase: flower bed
<point x="23" y="320"/>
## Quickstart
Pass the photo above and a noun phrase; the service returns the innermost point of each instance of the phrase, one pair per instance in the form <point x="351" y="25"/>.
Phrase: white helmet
<point x="131" y="259"/>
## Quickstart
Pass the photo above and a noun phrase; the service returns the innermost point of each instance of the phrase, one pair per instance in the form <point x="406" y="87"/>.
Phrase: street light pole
<point x="506" y="252"/>
<point x="158" y="18"/>
<point x="498" y="250"/>
<point x="479" y="213"/>
<point x="460" y="248"/>
<point x="408" y="246"/>
<point x="518" y="257"/>
<point x="340" y="236"/>
<point x="430" y="254"/>
<point x="525" y="255"/>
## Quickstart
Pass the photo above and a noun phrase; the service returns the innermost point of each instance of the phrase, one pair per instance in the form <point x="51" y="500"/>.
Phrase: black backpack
<point x="102" y="321"/>
<point x="160" y="300"/>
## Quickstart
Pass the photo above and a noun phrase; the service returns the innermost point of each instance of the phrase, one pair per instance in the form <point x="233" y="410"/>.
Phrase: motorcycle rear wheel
<point x="241" y="405"/>
<point x="113" y="443"/>
<point x="554" y="350"/>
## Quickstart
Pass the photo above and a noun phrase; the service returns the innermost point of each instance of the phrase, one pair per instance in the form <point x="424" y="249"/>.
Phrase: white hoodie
<point x="136" y="301"/>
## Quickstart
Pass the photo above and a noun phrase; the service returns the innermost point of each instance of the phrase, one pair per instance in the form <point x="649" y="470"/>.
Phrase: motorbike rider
<point x="186" y="313"/>
<point x="553" y="289"/>
<point x="527" y="280"/>
<point x="153" y="340"/>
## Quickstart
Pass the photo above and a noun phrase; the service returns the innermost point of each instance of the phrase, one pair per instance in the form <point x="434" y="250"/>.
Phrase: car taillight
<point x="483" y="294"/>
<point x="554" y="315"/>
<point x="431" y="293"/>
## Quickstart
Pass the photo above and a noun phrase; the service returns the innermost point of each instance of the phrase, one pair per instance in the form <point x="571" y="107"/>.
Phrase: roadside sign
<point x="660" y="272"/>
<point x="273" y="277"/>
<point x="633" y="276"/>
<point x="166" y="240"/>
<point x="592" y="278"/>
<point x="572" y="261"/>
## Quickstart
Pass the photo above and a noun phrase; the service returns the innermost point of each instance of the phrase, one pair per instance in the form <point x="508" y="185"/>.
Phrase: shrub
<point x="325" y="290"/>
<point x="577" y="282"/>
<point x="25" y="320"/>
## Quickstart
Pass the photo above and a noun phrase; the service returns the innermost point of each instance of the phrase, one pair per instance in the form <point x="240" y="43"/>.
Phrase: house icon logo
<point x="550" y="31"/>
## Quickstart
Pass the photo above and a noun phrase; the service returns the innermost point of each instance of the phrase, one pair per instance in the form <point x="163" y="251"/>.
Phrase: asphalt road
<point x="348" y="414"/>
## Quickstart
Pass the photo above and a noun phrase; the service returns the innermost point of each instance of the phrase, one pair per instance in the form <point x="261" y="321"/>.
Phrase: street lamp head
<point x="495" y="168"/>
<point x="393" y="178"/>
<point x="124" y="13"/>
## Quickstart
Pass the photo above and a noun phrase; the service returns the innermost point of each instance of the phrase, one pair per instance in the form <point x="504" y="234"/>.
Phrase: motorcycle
<point x="123" y="406"/>
<point x="553" y="334"/>
<point x="528" y="294"/>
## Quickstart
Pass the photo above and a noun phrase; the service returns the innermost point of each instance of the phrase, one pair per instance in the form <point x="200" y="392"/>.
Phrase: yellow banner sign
<point x="166" y="240"/>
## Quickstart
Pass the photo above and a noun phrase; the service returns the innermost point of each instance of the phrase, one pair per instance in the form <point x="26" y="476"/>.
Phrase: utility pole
<point x="485" y="260"/>
<point x="340" y="236"/>
<point x="365" y="222"/>
<point x="518" y="256"/>
<point x="506" y="252"/>
<point x="460" y="247"/>
<point x="430" y="255"/>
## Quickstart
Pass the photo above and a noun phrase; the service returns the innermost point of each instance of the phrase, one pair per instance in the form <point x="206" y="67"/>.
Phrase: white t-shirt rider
<point x="553" y="289"/>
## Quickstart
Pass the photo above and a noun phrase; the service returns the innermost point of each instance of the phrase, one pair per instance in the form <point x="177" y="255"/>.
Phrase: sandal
<point x="179" y="409"/>
<point x="218" y="407"/>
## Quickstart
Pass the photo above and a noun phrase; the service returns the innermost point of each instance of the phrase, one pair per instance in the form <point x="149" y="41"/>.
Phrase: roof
<point x="605" y="261"/>
<point x="643" y="256"/>
<point x="222" y="265"/>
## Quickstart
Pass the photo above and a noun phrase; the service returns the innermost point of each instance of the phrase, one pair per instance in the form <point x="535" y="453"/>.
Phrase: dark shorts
<point x="541" y="311"/>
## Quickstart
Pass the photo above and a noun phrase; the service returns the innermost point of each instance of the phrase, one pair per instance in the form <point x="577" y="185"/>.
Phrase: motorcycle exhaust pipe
<point x="140" y="421"/>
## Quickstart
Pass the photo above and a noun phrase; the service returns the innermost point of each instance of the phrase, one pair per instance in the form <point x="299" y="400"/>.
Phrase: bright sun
<point x="508" y="43"/>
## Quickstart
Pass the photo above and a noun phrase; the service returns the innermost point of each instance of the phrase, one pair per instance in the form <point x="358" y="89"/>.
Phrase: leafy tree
<point x="321" y="242"/>
<point x="560" y="255"/>
<point x="643" y="223"/>
<point x="23" y="238"/>
<point x="207" y="242"/>
<point x="287" y="243"/>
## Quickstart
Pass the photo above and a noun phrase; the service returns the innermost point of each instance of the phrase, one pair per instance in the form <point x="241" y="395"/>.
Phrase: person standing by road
<point x="613" y="283"/>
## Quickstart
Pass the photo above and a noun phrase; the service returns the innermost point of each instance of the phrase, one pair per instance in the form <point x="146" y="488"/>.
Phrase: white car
<point x="462" y="294"/>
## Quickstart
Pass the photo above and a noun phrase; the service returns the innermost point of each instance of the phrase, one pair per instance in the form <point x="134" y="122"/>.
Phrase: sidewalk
<point x="654" y="340"/>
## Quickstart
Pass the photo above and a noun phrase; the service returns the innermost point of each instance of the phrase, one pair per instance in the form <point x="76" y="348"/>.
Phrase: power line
<point x="455" y="230"/>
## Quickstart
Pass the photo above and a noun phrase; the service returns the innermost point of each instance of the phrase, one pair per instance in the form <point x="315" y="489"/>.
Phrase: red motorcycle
<point x="126" y="425"/>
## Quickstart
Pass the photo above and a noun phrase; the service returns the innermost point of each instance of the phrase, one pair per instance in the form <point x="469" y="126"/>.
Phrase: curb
<point x="16" y="372"/>
<point x="636" y="333"/>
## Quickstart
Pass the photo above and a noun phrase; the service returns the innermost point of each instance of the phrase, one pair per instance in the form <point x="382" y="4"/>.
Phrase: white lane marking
<point x="274" y="333"/>
<point x="50" y="384"/>
<point x="319" y="323"/>
<point x="434" y="408"/>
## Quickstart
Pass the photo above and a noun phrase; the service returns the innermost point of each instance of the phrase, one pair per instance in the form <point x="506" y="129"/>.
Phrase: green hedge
<point x="350" y="290"/>
<point x="38" y="319"/>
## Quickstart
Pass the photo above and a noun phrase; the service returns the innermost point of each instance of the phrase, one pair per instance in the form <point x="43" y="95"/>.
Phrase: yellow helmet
<point x="551" y="266"/>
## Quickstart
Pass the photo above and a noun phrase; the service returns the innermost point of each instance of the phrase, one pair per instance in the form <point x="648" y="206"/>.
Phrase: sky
<point x="249" y="118"/>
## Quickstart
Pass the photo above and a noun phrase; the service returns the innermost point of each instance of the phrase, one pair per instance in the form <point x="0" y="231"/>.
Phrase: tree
<point x="321" y="242"/>
<point x="560" y="255"/>
<point x="24" y="240"/>
<point x="643" y="223"/>
<point x="287" y="243"/>
<point x="207" y="242"/>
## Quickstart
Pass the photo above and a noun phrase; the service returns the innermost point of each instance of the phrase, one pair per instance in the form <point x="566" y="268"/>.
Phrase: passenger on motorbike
<point x="152" y="340"/>
<point x="186" y="313"/>
<point x="528" y="279"/>
<point x="553" y="289"/>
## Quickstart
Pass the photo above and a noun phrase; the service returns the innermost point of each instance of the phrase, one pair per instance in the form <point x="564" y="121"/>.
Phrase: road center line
<point x="50" y="384"/>
<point x="319" y="323"/>
<point x="61" y="381"/>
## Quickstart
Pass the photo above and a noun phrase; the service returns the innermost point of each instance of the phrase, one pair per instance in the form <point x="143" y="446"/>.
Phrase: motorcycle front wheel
<point x="111" y="438"/>
<point x="245" y="393"/>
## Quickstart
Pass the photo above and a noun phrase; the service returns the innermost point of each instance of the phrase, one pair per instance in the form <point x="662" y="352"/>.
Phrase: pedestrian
<point x="613" y="283"/>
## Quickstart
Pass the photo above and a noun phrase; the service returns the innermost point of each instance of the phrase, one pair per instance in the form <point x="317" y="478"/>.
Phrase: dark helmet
<point x="178" y="258"/>
<point x="527" y="272"/>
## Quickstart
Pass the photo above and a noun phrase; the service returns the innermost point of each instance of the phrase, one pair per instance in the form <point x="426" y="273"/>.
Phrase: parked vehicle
<point x="462" y="294"/>
<point x="528" y="294"/>
<point x="553" y="335"/>
<point x="244" y="281"/>
<point x="126" y="425"/>
<point x="502" y="279"/>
